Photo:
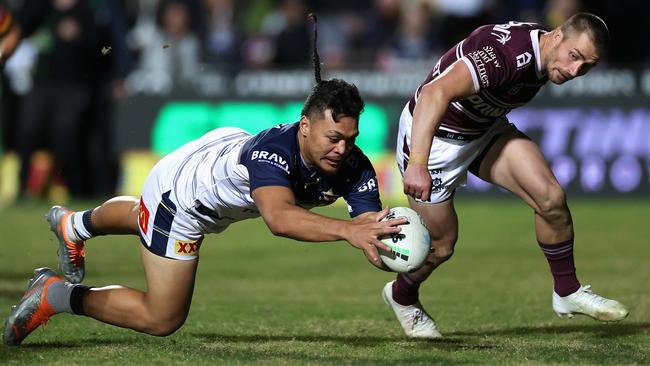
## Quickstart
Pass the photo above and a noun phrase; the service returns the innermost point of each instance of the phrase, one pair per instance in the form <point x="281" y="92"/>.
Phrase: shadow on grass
<point x="356" y="341"/>
<point x="318" y="349"/>
<point x="598" y="329"/>
<point x="238" y="348"/>
<point x="71" y="344"/>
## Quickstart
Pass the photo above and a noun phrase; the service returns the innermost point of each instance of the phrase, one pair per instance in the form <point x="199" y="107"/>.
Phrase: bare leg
<point x="119" y="215"/>
<point x="402" y="295"/>
<point x="515" y="163"/>
<point x="442" y="222"/>
<point x="161" y="310"/>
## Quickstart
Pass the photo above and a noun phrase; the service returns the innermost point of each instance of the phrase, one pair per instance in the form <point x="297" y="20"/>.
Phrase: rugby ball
<point x="409" y="247"/>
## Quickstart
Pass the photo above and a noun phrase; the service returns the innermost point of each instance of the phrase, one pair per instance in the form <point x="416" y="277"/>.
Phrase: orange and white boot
<point x="33" y="309"/>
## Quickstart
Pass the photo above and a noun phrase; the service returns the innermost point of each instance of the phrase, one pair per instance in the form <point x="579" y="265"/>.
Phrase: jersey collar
<point x="534" y="37"/>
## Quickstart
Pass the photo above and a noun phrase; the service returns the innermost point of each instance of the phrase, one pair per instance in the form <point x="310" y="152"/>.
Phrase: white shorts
<point x="449" y="159"/>
<point x="169" y="224"/>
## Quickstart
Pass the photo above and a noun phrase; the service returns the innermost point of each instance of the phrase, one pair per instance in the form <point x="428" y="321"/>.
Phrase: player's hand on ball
<point x="411" y="247"/>
<point x="365" y="230"/>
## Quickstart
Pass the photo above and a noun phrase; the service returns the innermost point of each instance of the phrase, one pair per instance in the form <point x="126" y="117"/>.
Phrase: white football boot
<point x="584" y="301"/>
<point x="413" y="319"/>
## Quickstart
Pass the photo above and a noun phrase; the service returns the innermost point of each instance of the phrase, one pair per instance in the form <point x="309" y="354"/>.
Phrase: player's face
<point x="325" y="143"/>
<point x="573" y="56"/>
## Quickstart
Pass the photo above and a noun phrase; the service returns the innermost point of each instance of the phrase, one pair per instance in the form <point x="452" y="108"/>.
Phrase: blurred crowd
<point x="165" y="42"/>
<point x="80" y="56"/>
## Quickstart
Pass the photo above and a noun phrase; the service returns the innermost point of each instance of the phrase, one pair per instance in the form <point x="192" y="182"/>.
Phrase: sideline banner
<point x="592" y="150"/>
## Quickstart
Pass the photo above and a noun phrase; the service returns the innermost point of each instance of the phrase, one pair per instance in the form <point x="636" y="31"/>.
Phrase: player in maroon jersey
<point x="456" y="122"/>
<point x="9" y="35"/>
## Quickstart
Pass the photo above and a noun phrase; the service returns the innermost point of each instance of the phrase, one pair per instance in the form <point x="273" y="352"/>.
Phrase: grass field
<point x="266" y="300"/>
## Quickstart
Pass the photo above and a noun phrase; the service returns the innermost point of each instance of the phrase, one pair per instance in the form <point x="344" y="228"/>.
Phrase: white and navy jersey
<point x="212" y="178"/>
<point x="504" y="61"/>
<point x="273" y="158"/>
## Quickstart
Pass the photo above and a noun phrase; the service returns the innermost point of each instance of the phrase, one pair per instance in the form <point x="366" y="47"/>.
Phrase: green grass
<point x="266" y="300"/>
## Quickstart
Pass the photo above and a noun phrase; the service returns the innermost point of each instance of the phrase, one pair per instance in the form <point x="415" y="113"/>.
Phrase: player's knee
<point x="443" y="249"/>
<point x="165" y="326"/>
<point x="552" y="205"/>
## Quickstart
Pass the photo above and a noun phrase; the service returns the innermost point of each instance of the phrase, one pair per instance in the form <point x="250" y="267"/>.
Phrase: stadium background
<point x="250" y="67"/>
<point x="261" y="299"/>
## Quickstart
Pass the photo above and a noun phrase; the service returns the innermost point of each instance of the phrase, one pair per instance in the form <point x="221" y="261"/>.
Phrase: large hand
<point x="417" y="182"/>
<point x="366" y="229"/>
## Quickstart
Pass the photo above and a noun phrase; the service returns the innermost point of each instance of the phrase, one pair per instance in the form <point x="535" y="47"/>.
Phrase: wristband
<point x="418" y="159"/>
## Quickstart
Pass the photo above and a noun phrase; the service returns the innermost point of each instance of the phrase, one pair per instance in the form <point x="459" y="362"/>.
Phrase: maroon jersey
<point x="504" y="61"/>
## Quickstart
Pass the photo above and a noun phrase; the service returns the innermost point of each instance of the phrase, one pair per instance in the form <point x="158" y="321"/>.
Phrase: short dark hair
<point x="591" y="24"/>
<point x="338" y="95"/>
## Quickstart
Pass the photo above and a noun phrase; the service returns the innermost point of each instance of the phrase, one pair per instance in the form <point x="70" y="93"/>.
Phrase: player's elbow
<point x="434" y="93"/>
<point x="277" y="225"/>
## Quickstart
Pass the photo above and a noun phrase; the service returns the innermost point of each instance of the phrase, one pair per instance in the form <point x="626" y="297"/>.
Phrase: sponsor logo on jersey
<point x="187" y="248"/>
<point x="480" y="68"/>
<point x="481" y="58"/>
<point x="523" y="59"/>
<point x="491" y="56"/>
<point x="270" y="158"/>
<point x="502" y="32"/>
<point x="436" y="182"/>
<point x="486" y="109"/>
<point x="369" y="185"/>
<point x="143" y="217"/>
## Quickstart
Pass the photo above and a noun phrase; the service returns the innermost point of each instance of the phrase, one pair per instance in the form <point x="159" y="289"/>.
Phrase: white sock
<point x="69" y="228"/>
<point x="81" y="232"/>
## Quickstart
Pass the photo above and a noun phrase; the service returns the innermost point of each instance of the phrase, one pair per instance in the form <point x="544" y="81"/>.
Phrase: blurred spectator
<point x="113" y="61"/>
<point x="519" y="10"/>
<point x="383" y="27"/>
<point x="9" y="39"/>
<point x="221" y="40"/>
<point x="291" y="33"/>
<point x="51" y="114"/>
<point x="169" y="49"/>
<point x="557" y="11"/>
<point x="461" y="17"/>
<point x="9" y="34"/>
<point x="414" y="40"/>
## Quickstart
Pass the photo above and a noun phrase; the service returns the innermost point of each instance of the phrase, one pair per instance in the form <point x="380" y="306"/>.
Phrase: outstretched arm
<point x="453" y="84"/>
<point x="278" y="208"/>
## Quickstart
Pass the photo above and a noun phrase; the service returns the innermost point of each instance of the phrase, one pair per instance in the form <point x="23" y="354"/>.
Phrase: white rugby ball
<point x="410" y="246"/>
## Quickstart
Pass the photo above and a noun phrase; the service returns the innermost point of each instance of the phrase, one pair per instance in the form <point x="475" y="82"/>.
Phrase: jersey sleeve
<point x="267" y="166"/>
<point x="489" y="65"/>
<point x="364" y="193"/>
